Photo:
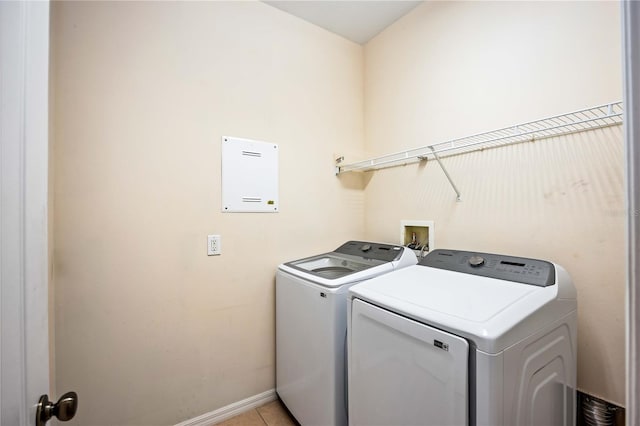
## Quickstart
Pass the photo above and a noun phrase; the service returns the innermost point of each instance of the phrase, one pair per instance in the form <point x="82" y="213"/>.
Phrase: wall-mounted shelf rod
<point x="578" y="121"/>
<point x="446" y="173"/>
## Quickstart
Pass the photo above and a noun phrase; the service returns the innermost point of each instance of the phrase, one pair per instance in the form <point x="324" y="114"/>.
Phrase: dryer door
<point x="402" y="372"/>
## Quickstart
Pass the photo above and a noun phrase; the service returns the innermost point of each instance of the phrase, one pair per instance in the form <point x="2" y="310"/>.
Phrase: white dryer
<point x="464" y="338"/>
<point x="311" y="325"/>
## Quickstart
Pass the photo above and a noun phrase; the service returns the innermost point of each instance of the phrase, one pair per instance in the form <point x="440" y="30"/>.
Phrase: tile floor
<point x="271" y="414"/>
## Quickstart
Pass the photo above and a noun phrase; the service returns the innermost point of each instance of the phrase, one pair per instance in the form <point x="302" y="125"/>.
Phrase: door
<point x="24" y="344"/>
<point x="402" y="372"/>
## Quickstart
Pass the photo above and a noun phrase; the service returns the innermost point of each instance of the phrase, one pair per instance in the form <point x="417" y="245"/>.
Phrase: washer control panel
<point x="517" y="269"/>
<point x="369" y="250"/>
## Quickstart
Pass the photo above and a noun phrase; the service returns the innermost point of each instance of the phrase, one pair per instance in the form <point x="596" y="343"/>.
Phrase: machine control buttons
<point x="511" y="268"/>
<point x="476" y="261"/>
<point x="371" y="251"/>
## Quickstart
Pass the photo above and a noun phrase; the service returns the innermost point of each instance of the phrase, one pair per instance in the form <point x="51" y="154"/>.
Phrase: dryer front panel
<point x="402" y="372"/>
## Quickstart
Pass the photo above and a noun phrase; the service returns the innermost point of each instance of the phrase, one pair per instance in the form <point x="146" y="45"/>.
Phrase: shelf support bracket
<point x="339" y="161"/>
<point x="455" y="188"/>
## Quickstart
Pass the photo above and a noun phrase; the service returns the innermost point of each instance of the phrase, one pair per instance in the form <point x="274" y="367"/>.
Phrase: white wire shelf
<point x="578" y="121"/>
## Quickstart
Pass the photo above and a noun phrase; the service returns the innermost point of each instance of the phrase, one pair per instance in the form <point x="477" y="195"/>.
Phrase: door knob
<point x="64" y="409"/>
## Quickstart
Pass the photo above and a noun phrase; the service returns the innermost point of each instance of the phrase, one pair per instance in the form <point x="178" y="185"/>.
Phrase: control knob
<point x="476" y="261"/>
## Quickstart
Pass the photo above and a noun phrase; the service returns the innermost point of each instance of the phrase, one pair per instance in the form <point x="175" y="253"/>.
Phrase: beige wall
<point x="451" y="69"/>
<point x="149" y="330"/>
<point x="145" y="321"/>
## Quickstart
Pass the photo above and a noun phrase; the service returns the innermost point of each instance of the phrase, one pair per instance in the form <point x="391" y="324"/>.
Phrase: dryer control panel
<point x="518" y="269"/>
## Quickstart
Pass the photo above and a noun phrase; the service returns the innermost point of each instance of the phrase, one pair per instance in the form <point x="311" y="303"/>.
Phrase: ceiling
<point x="358" y="21"/>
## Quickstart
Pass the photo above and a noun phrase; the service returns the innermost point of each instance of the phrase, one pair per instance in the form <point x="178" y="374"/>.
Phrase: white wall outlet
<point x="214" y="245"/>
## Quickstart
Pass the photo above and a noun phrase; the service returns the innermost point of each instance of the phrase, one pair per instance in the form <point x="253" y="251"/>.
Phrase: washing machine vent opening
<point x="597" y="412"/>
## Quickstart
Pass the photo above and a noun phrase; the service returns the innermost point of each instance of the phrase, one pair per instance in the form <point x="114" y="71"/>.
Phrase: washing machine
<point x="311" y="325"/>
<point x="464" y="338"/>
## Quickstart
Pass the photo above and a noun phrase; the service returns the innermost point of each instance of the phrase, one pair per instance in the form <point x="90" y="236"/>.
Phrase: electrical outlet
<point x="214" y="245"/>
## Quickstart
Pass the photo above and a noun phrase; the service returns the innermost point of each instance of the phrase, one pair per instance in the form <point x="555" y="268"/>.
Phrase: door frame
<point x="24" y="158"/>
<point x="631" y="99"/>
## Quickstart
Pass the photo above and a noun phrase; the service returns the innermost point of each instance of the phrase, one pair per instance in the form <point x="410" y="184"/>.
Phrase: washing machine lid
<point x="493" y="313"/>
<point x="352" y="262"/>
<point x="332" y="266"/>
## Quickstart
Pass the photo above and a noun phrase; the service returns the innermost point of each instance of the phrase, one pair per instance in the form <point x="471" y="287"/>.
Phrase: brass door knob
<point x="64" y="409"/>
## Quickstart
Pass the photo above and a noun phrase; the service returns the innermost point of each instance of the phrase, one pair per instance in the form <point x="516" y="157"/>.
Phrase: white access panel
<point x="402" y="372"/>
<point x="249" y="176"/>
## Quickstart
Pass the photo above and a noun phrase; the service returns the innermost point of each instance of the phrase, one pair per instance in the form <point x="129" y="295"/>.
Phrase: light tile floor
<point x="271" y="414"/>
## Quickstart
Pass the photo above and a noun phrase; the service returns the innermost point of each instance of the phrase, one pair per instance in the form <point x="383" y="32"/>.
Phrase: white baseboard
<point x="224" y="413"/>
